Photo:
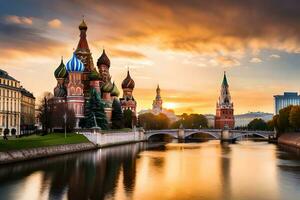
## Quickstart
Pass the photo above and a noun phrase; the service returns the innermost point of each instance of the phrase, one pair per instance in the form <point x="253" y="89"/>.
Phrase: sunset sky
<point x="185" y="46"/>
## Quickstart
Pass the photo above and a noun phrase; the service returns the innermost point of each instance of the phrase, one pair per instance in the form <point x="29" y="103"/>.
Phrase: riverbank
<point x="35" y="146"/>
<point x="42" y="152"/>
<point x="35" y="141"/>
<point x="290" y="139"/>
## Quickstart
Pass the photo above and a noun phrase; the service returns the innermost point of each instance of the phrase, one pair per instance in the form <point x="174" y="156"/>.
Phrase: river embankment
<point x="290" y="139"/>
<point x="42" y="152"/>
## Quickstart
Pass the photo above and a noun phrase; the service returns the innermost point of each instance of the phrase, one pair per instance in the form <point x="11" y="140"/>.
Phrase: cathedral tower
<point x="224" y="112"/>
<point x="128" y="102"/>
<point x="84" y="54"/>
<point x="157" y="103"/>
<point x="75" y="88"/>
<point x="103" y="65"/>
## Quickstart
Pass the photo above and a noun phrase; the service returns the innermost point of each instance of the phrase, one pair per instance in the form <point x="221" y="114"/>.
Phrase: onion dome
<point x="107" y="87"/>
<point x="74" y="65"/>
<point x="82" y="25"/>
<point x="115" y="91"/>
<point x="94" y="75"/>
<point x="60" y="91"/>
<point x="103" y="59"/>
<point x="61" y="71"/>
<point x="128" y="82"/>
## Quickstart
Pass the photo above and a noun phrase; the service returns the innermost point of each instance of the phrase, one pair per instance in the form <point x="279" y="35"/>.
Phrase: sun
<point x="170" y="105"/>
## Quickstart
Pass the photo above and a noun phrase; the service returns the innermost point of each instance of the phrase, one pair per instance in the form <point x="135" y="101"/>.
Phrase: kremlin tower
<point x="157" y="103"/>
<point x="224" y="112"/>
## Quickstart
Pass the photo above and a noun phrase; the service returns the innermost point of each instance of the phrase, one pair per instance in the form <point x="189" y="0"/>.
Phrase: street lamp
<point x="65" y="119"/>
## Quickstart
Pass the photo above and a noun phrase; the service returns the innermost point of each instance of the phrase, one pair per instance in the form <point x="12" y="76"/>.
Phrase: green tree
<point x="128" y="118"/>
<point x="94" y="109"/>
<point x="161" y="121"/>
<point x="45" y="112"/>
<point x="154" y="122"/>
<point x="57" y="118"/>
<point x="294" y="117"/>
<point x="283" y="119"/>
<point x="146" y="120"/>
<point x="117" y="117"/>
<point x="193" y="121"/>
<point x="270" y="125"/>
<point x="258" y="124"/>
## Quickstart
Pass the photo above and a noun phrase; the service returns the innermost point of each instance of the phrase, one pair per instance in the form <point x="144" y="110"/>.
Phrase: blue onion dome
<point x="107" y="87"/>
<point x="115" y="91"/>
<point x="61" y="71"/>
<point x="74" y="65"/>
<point x="128" y="82"/>
<point x="94" y="75"/>
<point x="82" y="25"/>
<point x="103" y="59"/>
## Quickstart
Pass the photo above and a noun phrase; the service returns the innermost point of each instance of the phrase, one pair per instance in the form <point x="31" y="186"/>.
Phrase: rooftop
<point x="4" y="74"/>
<point x="288" y="94"/>
<point x="26" y="92"/>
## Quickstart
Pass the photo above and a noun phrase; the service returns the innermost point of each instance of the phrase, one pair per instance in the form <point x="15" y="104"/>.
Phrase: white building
<point x="16" y="105"/>
<point x="210" y="120"/>
<point x="10" y="103"/>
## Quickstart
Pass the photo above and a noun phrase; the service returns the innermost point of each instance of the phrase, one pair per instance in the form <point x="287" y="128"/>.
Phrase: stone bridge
<point x="215" y="133"/>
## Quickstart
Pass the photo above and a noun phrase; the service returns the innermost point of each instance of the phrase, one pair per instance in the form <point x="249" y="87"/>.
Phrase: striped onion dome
<point x="61" y="71"/>
<point x="115" y="91"/>
<point x="128" y="82"/>
<point x="107" y="87"/>
<point x="74" y="65"/>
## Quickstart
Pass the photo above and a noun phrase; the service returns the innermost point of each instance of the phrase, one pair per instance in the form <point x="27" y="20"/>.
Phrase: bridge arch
<point x="172" y="134"/>
<point x="248" y="134"/>
<point x="214" y="135"/>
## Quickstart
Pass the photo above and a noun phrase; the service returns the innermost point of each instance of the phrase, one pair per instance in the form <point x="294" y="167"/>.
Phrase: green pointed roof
<point x="94" y="75"/>
<point x="61" y="71"/>
<point x="225" y="83"/>
<point x="115" y="91"/>
<point x="107" y="87"/>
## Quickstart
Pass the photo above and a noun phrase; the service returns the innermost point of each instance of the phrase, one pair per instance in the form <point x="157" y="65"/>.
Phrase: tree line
<point x="150" y="121"/>
<point x="59" y="115"/>
<point x="288" y="120"/>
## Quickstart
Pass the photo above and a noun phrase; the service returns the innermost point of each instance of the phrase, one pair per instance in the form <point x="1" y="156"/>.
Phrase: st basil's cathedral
<point x="79" y="75"/>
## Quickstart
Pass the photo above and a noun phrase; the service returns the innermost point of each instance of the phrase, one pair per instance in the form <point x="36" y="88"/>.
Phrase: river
<point x="148" y="171"/>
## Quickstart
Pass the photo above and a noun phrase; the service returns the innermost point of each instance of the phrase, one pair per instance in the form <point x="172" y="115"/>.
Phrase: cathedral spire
<point x="83" y="44"/>
<point x="158" y="97"/>
<point x="157" y="102"/>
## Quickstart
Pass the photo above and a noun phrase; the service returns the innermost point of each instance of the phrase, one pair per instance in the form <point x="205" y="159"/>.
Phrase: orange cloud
<point x="126" y="54"/>
<point x="55" y="23"/>
<point x="18" y="20"/>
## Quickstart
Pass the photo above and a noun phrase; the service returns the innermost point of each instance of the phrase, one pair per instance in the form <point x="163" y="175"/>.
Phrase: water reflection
<point x="208" y="170"/>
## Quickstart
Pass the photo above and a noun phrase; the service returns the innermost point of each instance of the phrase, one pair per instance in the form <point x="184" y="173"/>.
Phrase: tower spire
<point x="225" y="82"/>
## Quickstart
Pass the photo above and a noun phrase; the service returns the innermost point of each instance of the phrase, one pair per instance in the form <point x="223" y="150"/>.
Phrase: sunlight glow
<point x="170" y="105"/>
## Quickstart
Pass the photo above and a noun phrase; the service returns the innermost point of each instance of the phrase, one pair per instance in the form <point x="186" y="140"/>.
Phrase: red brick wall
<point x="224" y="116"/>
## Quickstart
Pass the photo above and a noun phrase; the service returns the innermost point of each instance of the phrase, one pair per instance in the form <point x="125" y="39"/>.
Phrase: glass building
<point x="288" y="98"/>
